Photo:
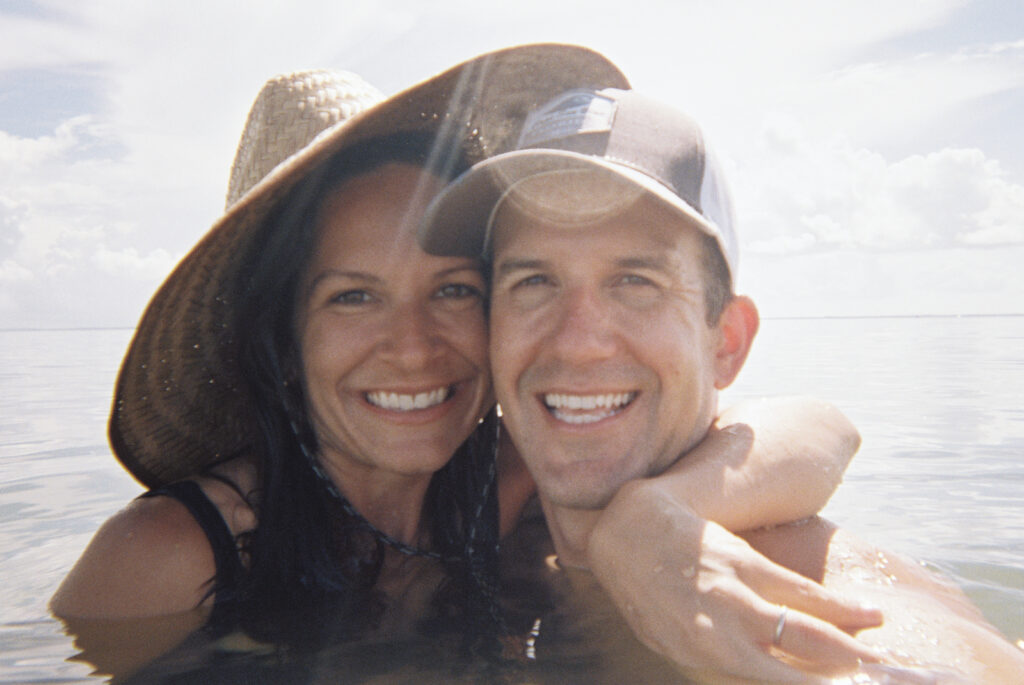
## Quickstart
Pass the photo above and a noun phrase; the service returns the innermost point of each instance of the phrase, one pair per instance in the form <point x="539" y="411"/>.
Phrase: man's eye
<point x="636" y="291"/>
<point x="635" y="279"/>
<point x="351" y="297"/>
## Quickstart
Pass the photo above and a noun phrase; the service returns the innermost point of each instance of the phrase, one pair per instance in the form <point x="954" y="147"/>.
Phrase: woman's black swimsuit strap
<point x="225" y="550"/>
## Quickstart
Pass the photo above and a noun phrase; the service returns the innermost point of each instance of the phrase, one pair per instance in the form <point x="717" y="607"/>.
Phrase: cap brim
<point x="458" y="221"/>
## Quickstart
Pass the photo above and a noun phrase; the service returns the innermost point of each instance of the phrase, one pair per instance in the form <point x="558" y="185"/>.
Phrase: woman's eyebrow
<point x="444" y="273"/>
<point x="339" y="273"/>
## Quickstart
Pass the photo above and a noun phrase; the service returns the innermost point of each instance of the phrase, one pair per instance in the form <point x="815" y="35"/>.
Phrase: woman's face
<point x="393" y="340"/>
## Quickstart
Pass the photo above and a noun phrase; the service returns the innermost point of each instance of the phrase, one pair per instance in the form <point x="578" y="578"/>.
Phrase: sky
<point x="874" y="148"/>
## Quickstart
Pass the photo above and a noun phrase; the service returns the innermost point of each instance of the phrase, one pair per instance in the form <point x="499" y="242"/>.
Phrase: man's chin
<point x="578" y="493"/>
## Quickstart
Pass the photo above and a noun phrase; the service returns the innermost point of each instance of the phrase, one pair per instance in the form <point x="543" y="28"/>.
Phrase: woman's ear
<point x="737" y="327"/>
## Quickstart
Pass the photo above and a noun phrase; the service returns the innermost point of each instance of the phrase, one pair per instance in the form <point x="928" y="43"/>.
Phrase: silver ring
<point x="780" y="625"/>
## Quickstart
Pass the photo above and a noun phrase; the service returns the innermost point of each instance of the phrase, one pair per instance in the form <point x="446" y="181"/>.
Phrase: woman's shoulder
<point x="150" y="558"/>
<point x="233" y="487"/>
<point x="155" y="556"/>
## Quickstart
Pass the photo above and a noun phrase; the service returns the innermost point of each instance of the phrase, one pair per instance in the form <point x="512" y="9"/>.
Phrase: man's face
<point x="600" y="350"/>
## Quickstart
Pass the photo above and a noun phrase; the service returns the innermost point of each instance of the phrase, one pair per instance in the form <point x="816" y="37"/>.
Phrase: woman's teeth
<point x="402" y="402"/>
<point x="586" y="408"/>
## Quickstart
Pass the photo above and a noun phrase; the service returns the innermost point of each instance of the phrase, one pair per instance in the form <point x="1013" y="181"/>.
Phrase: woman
<point x="297" y="389"/>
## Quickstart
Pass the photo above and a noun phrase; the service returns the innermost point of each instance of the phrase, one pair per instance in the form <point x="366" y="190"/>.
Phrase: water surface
<point x="939" y="476"/>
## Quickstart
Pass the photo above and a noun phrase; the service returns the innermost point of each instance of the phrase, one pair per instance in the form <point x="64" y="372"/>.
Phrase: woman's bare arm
<point x="765" y="462"/>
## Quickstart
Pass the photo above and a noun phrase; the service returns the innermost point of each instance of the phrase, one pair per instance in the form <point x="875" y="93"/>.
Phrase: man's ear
<point x="737" y="327"/>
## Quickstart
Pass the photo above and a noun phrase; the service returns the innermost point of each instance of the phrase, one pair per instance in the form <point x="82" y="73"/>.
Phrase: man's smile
<point x="583" y="409"/>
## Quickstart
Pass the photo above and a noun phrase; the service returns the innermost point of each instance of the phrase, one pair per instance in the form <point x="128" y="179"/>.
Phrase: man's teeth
<point x="402" y="402"/>
<point x="588" y="401"/>
<point x="568" y="408"/>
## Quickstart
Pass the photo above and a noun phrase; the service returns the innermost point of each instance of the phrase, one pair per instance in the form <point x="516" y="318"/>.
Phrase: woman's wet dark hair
<point x="313" y="567"/>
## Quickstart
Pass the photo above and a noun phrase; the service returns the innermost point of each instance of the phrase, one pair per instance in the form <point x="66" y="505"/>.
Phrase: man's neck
<point x="570" y="531"/>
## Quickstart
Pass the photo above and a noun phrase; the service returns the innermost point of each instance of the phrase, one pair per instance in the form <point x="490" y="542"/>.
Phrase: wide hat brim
<point x="179" y="402"/>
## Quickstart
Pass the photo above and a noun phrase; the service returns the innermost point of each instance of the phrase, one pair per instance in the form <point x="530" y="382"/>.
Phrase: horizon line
<point x="791" y="317"/>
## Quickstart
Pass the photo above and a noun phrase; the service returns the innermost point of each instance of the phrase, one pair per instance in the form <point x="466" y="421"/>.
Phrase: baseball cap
<point x="628" y="141"/>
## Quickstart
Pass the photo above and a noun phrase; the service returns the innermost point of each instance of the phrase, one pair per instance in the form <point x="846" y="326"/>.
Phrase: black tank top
<point x="227" y="563"/>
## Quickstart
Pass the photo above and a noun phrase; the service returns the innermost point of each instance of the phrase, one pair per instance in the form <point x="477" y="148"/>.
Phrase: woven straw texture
<point x="178" y="402"/>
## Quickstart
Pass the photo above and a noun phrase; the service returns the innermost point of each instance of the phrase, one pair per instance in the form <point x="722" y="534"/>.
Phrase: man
<point x="610" y="238"/>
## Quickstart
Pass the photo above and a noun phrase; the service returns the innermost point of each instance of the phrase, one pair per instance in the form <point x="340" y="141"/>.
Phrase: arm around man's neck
<point x="764" y="462"/>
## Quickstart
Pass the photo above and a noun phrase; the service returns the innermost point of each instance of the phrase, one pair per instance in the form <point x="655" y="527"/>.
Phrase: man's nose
<point x="584" y="331"/>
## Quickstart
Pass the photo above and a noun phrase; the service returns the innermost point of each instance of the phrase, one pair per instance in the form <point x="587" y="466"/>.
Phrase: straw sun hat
<point x="178" y="404"/>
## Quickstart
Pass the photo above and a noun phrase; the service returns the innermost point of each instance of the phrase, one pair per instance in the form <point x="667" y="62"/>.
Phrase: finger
<point x="845" y="612"/>
<point x="780" y="585"/>
<point x="900" y="675"/>
<point x="740" y="648"/>
<point x="817" y="642"/>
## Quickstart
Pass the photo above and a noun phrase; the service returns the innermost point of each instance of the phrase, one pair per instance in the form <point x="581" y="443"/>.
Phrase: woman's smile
<point x="404" y="402"/>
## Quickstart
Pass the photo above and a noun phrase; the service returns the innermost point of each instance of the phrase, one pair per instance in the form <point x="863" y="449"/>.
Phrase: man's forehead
<point x="569" y="197"/>
<point x="642" y="227"/>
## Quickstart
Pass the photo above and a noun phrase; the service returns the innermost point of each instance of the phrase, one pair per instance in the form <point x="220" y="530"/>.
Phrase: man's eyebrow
<point x="658" y="262"/>
<point x="507" y="266"/>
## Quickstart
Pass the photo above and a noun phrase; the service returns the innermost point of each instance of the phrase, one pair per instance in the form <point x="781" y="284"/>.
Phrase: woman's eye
<point x="351" y="297"/>
<point x="459" y="291"/>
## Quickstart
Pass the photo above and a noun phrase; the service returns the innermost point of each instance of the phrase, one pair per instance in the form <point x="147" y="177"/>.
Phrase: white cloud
<point x="836" y="145"/>
<point x="73" y="214"/>
<point x="784" y="244"/>
<point x="1001" y="220"/>
<point x="50" y="41"/>
<point x="11" y="271"/>
<point x="804" y="197"/>
<point x="129" y="264"/>
<point x="30" y="152"/>
<point x="851" y="282"/>
<point x="903" y="92"/>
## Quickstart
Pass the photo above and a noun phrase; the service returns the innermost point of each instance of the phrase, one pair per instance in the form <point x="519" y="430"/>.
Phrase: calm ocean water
<point x="940" y="476"/>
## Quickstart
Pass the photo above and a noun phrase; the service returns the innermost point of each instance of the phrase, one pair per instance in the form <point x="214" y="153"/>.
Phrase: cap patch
<point x="573" y="113"/>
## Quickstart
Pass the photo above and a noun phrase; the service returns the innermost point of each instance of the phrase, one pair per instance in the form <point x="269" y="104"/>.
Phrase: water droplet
<point x="689" y="571"/>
